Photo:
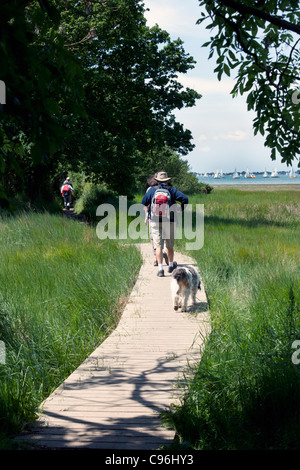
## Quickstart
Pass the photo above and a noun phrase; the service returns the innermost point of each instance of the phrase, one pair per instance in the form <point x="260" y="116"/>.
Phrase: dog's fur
<point x="185" y="282"/>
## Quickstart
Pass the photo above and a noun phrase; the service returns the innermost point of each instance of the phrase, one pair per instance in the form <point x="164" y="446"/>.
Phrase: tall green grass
<point x="246" y="390"/>
<point x="61" y="293"/>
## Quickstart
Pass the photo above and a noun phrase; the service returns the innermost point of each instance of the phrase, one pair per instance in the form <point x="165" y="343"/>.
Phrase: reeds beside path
<point x="114" y="399"/>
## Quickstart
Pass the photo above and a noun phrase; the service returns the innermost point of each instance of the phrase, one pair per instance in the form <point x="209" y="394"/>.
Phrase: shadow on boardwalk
<point x="128" y="416"/>
<point x="114" y="400"/>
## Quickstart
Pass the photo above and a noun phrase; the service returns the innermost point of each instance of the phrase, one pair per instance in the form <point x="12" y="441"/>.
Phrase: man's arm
<point x="147" y="198"/>
<point x="180" y="197"/>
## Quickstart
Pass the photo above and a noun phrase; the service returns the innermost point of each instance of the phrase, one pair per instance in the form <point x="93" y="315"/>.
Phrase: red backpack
<point x="161" y="202"/>
<point x="66" y="190"/>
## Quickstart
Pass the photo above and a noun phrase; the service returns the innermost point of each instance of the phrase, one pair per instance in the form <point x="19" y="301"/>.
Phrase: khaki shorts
<point x="163" y="231"/>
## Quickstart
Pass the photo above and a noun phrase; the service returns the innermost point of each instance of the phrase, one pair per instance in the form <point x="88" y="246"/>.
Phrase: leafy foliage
<point x="261" y="41"/>
<point x="176" y="167"/>
<point x="39" y="74"/>
<point x="88" y="85"/>
<point x="131" y="87"/>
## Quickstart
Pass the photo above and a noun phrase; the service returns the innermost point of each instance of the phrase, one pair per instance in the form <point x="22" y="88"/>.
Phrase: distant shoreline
<point x="258" y="187"/>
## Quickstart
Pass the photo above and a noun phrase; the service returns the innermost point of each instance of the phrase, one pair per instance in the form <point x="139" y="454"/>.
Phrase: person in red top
<point x="66" y="192"/>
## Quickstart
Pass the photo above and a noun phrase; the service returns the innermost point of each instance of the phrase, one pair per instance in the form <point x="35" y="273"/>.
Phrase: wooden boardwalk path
<point x="115" y="397"/>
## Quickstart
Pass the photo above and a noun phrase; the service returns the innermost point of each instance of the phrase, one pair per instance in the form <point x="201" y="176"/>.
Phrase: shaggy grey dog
<point x="185" y="282"/>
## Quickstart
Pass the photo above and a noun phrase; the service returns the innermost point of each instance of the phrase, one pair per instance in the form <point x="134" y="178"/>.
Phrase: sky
<point x="221" y="126"/>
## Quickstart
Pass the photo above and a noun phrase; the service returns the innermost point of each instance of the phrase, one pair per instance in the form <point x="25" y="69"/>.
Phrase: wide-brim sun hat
<point x="162" y="176"/>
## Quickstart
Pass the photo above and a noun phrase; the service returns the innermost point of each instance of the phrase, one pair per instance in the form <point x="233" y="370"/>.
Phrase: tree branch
<point x="249" y="10"/>
<point x="245" y="47"/>
<point x="241" y="41"/>
<point x="90" y="35"/>
<point x="288" y="62"/>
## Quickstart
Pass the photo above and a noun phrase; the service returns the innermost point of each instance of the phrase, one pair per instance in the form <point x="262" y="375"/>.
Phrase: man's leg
<point x="159" y="258"/>
<point x="159" y="255"/>
<point x="153" y="249"/>
<point x="170" y="252"/>
<point x="157" y="243"/>
<point x="170" y="247"/>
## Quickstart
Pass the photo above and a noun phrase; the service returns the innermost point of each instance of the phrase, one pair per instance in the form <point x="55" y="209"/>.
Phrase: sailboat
<point x="247" y="174"/>
<point x="265" y="175"/>
<point x="235" y="175"/>
<point x="274" y="174"/>
<point x="216" y="175"/>
<point x="292" y="174"/>
<point x="205" y="175"/>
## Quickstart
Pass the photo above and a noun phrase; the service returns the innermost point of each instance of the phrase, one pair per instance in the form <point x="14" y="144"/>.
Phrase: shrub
<point x="91" y="197"/>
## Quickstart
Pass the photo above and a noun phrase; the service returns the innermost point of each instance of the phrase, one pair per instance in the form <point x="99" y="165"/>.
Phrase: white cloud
<point x="166" y="17"/>
<point x="222" y="127"/>
<point x="238" y="135"/>
<point x="204" y="149"/>
<point x="206" y="86"/>
<point x="176" y="17"/>
<point x="235" y="135"/>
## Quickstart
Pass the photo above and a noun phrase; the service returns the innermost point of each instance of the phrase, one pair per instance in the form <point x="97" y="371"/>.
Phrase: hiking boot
<point x="161" y="273"/>
<point x="171" y="268"/>
<point x="166" y="258"/>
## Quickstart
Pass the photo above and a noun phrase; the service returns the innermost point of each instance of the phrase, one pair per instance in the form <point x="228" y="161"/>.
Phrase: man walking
<point x="66" y="192"/>
<point x="162" y="200"/>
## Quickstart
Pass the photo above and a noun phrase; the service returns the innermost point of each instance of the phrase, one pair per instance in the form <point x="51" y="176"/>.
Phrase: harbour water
<point x="259" y="179"/>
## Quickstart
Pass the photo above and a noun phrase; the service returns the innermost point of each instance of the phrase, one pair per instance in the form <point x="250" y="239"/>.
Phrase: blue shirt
<point x="176" y="196"/>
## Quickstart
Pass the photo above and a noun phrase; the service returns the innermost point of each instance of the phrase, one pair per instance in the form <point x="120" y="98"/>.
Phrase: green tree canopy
<point x="261" y="41"/>
<point x="39" y="74"/>
<point x="131" y="89"/>
<point x="89" y="87"/>
<point x="177" y="168"/>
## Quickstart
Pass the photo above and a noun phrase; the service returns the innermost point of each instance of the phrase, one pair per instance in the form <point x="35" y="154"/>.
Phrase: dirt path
<point x="70" y="214"/>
